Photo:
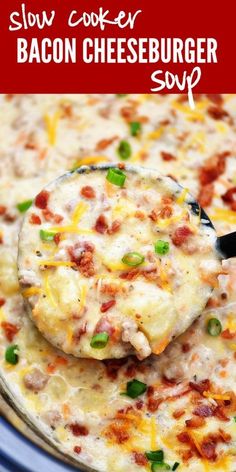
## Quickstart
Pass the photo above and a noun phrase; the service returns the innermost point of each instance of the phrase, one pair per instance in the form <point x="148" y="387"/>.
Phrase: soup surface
<point x="181" y="402"/>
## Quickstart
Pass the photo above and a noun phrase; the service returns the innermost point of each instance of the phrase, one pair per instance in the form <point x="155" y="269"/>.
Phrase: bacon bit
<point x="110" y="289"/>
<point x="41" y="200"/>
<point x="206" y="194"/>
<point x="208" y="449"/>
<point x="35" y="219"/>
<point x="3" y="210"/>
<point x="204" y="411"/>
<point x="130" y="275"/>
<point x="181" y="235"/>
<point x="50" y="369"/>
<point x="107" y="305"/>
<point x="101" y="225"/>
<point x="166" y="212"/>
<point x="118" y="433"/>
<point x="220" y="413"/>
<point x="84" y="261"/>
<point x="121" y="165"/>
<point x="78" y="429"/>
<point x="215" y="98"/>
<point x="140" y="215"/>
<point x="178" y="413"/>
<point x="186" y="455"/>
<point x="2" y="302"/>
<point x="226" y="334"/>
<point x="104" y="143"/>
<point x="57" y="238"/>
<point x="113" y="366"/>
<point x="153" y="404"/>
<point x="128" y="113"/>
<point x="167" y="156"/>
<point x="153" y="215"/>
<point x="50" y="216"/>
<point x="230" y="198"/>
<point x="80" y="332"/>
<point x="217" y="112"/>
<point x="213" y="168"/>
<point x="104" y="326"/>
<point x="184" y="438"/>
<point x="114" y="227"/>
<point x="186" y="347"/>
<point x="139" y="458"/>
<point x="10" y="330"/>
<point x="195" y="422"/>
<point x="139" y="404"/>
<point x="203" y="385"/>
<point x="224" y="436"/>
<point x="77" y="449"/>
<point x="87" y="192"/>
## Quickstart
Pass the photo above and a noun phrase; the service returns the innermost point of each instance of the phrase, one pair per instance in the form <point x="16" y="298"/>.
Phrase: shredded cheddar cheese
<point x="216" y="396"/>
<point x="51" y="124"/>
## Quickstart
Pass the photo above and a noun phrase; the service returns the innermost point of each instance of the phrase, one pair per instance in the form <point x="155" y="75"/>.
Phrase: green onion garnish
<point x="124" y="150"/>
<point x="214" y="327"/>
<point x="235" y="419"/>
<point x="135" y="388"/>
<point x="156" y="466"/>
<point x="46" y="235"/>
<point x="99" y="341"/>
<point x="156" y="456"/>
<point x="161" y="247"/>
<point x="11" y="354"/>
<point x="133" y="259"/>
<point x="175" y="466"/>
<point x="135" y="128"/>
<point x="116" y="177"/>
<point x="121" y="95"/>
<point x="24" y="206"/>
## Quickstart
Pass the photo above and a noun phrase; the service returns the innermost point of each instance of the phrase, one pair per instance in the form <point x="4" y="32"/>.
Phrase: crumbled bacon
<point x="115" y="226"/>
<point x="184" y="437"/>
<point x="104" y="326"/>
<point x="217" y="112"/>
<point x="181" y="235"/>
<point x="213" y="168"/>
<point x="84" y="261"/>
<point x="167" y="156"/>
<point x="206" y="194"/>
<point x="113" y="366"/>
<point x="128" y="112"/>
<point x="139" y="404"/>
<point x="153" y="404"/>
<point x="229" y="197"/>
<point x="78" y="429"/>
<point x="178" y="413"/>
<point x="35" y="219"/>
<point x="10" y="330"/>
<point x="221" y="415"/>
<point x="41" y="200"/>
<point x="104" y="143"/>
<point x="195" y="422"/>
<point x="80" y="332"/>
<point x="186" y="347"/>
<point x="107" y="305"/>
<point x="50" y="216"/>
<point x="140" y="459"/>
<point x="208" y="449"/>
<point x="77" y="449"/>
<point x="204" y="411"/>
<point x="118" y="433"/>
<point x="130" y="274"/>
<point x="3" y="210"/>
<point x="130" y="371"/>
<point x="2" y="302"/>
<point x="88" y="192"/>
<point x="57" y="238"/>
<point x="200" y="387"/>
<point x="227" y="334"/>
<point x="101" y="225"/>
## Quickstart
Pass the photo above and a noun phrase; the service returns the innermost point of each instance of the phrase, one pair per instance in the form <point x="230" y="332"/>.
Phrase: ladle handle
<point x="226" y="245"/>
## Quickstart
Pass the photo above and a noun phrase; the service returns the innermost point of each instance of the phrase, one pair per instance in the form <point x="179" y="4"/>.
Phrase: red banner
<point x="109" y="46"/>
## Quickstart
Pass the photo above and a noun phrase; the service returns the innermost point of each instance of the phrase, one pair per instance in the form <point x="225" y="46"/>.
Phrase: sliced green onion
<point x="99" y="341"/>
<point x="156" y="466"/>
<point x="11" y="354"/>
<point x="133" y="259"/>
<point x="46" y="235"/>
<point x="121" y="95"/>
<point x="116" y="177"/>
<point x="124" y="150"/>
<point x="175" y="466"/>
<point x="24" y="206"/>
<point x="235" y="419"/>
<point x="161" y="247"/>
<point x="156" y="456"/>
<point x="214" y="327"/>
<point x="135" y="128"/>
<point x="135" y="388"/>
